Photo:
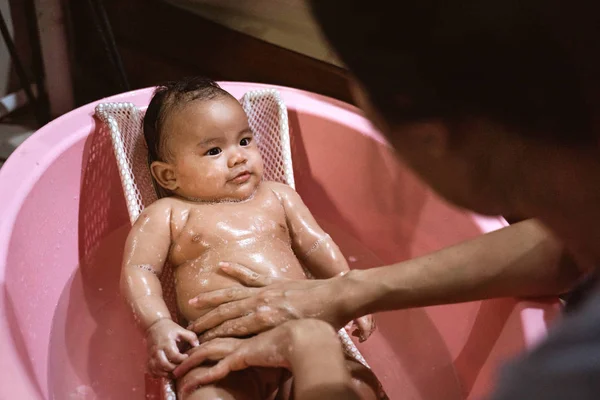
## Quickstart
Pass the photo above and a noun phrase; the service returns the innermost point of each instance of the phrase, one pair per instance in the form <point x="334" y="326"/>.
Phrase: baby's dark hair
<point x="168" y="97"/>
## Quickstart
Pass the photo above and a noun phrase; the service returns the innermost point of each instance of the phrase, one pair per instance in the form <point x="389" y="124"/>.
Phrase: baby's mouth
<point x="242" y="177"/>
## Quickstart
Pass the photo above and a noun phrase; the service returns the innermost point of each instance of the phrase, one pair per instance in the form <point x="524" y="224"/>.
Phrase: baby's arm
<point x="315" y="248"/>
<point x="312" y="245"/>
<point x="146" y="251"/>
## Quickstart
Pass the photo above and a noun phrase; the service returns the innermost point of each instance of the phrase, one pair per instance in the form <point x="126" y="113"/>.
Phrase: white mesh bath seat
<point x="268" y="119"/>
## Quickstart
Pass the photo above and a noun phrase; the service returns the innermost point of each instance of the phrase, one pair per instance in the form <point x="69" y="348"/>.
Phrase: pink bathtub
<point x="65" y="334"/>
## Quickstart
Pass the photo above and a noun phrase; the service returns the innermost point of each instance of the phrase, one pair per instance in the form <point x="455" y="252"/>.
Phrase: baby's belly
<point x="273" y="258"/>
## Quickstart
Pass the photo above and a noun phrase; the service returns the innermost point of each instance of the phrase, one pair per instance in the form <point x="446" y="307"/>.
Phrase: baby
<point x="203" y="155"/>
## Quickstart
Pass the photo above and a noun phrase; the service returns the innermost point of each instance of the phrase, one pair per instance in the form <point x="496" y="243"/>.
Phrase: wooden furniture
<point x="158" y="42"/>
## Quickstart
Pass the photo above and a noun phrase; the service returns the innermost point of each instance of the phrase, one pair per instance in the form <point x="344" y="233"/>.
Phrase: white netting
<point x="267" y="116"/>
<point x="268" y="120"/>
<point x="125" y="123"/>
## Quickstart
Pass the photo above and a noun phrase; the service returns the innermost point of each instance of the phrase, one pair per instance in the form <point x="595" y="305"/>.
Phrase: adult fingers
<point x="238" y="327"/>
<point x="246" y="276"/>
<point x="192" y="361"/>
<point x="222" y="296"/>
<point x="204" y="377"/>
<point x="223" y="313"/>
<point x="214" y="351"/>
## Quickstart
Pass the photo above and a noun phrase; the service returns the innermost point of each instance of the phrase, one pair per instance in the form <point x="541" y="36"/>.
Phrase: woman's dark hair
<point x="531" y="65"/>
<point x="168" y="97"/>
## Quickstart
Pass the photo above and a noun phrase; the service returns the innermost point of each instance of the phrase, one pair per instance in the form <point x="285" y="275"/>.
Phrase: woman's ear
<point x="432" y="137"/>
<point x="164" y="175"/>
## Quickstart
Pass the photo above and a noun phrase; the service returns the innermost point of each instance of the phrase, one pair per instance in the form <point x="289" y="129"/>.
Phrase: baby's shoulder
<point x="278" y="187"/>
<point x="281" y="190"/>
<point x="169" y="212"/>
<point x="156" y="215"/>
<point x="167" y="206"/>
<point x="159" y="206"/>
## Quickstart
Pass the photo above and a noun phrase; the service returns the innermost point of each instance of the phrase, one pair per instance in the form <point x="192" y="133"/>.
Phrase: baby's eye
<point x="214" y="151"/>
<point x="245" y="141"/>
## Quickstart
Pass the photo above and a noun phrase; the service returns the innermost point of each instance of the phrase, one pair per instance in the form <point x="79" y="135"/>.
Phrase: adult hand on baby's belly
<point x="264" y="303"/>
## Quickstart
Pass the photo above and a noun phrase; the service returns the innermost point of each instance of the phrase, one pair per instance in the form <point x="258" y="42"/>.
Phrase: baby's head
<point x="199" y="142"/>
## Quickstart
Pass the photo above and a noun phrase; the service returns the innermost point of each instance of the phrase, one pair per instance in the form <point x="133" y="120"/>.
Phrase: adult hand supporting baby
<point x="265" y="302"/>
<point x="308" y="347"/>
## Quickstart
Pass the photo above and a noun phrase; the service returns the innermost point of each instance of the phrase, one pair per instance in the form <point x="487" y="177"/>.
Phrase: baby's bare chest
<point x="230" y="225"/>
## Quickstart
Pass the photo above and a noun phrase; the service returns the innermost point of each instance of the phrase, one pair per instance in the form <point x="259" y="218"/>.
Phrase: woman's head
<point x="200" y="145"/>
<point x="461" y="88"/>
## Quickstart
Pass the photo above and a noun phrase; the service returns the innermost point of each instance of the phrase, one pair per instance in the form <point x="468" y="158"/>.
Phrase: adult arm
<point x="523" y="260"/>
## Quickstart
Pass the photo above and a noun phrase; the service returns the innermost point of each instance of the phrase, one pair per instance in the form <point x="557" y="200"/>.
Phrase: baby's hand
<point x="362" y="327"/>
<point x="162" y="339"/>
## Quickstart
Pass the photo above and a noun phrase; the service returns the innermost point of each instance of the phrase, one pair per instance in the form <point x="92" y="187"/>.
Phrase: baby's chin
<point x="240" y="196"/>
<point x="245" y="193"/>
<point x="242" y="193"/>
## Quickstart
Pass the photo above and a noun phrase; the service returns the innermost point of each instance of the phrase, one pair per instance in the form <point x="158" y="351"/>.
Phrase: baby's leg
<point x="249" y="384"/>
<point x="364" y="380"/>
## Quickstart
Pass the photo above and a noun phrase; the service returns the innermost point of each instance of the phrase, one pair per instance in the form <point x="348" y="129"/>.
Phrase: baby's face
<point x="214" y="156"/>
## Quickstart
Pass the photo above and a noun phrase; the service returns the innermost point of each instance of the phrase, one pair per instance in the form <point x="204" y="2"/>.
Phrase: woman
<point x="494" y="104"/>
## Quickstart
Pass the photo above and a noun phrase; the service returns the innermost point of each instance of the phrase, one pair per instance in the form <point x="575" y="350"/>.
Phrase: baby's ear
<point x="164" y="175"/>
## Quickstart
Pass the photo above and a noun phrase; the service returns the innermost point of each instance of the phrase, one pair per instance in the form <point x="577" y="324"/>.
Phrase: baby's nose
<point x="238" y="157"/>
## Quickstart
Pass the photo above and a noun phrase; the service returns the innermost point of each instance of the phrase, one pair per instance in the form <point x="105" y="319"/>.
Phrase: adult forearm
<point x="521" y="260"/>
